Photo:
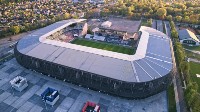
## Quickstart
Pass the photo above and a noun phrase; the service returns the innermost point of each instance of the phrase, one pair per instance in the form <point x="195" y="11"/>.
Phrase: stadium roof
<point x="186" y="34"/>
<point x="151" y="60"/>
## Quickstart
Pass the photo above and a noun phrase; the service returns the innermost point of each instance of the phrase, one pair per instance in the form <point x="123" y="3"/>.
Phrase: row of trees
<point x="192" y="96"/>
<point x="181" y="12"/>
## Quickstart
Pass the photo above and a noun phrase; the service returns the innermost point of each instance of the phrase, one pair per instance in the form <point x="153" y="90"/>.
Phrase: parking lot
<point x="72" y="98"/>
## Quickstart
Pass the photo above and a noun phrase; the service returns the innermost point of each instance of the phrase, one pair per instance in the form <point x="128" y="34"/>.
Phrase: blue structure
<point x="50" y="96"/>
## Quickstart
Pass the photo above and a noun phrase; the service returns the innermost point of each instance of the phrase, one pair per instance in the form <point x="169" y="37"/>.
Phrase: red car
<point x="91" y="107"/>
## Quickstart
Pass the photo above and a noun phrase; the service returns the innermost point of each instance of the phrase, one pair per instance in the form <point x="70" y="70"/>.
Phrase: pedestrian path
<point x="72" y="97"/>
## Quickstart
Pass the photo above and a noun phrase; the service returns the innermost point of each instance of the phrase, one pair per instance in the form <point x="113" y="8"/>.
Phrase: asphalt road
<point x="154" y="24"/>
<point x="159" y="25"/>
<point x="167" y="28"/>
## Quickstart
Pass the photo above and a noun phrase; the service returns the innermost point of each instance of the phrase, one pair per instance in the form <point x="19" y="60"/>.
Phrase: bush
<point x="190" y="97"/>
<point x="196" y="103"/>
<point x="174" y="33"/>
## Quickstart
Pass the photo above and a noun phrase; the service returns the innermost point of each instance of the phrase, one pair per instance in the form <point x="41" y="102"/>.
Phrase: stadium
<point x="144" y="73"/>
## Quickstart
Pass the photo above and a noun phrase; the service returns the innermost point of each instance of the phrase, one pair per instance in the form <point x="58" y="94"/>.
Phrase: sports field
<point x="104" y="46"/>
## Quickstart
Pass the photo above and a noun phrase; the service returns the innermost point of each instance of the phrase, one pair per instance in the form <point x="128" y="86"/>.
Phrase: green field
<point x="196" y="48"/>
<point x="104" y="46"/>
<point x="171" y="99"/>
<point x="195" y="69"/>
<point x="144" y="23"/>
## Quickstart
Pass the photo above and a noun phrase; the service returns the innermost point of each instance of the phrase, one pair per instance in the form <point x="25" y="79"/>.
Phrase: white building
<point x="106" y="24"/>
<point x="188" y="37"/>
<point x="97" y="1"/>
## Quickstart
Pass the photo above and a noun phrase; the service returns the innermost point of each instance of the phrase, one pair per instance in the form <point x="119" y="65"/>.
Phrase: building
<point x="141" y="75"/>
<point x="80" y="1"/>
<point x="188" y="37"/>
<point x="97" y="1"/>
<point x="106" y="24"/>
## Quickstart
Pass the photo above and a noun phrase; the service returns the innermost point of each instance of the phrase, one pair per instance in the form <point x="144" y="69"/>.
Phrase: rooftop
<point x="151" y="60"/>
<point x="185" y="34"/>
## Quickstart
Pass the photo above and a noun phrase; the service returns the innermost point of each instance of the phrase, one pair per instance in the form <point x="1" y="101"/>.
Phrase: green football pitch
<point x="104" y="46"/>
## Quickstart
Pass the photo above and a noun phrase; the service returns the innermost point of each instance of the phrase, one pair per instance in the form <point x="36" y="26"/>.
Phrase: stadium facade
<point x="141" y="75"/>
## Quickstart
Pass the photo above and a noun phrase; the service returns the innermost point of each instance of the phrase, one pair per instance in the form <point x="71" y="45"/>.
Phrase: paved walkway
<point x="154" y="24"/>
<point x="194" y="60"/>
<point x="72" y="97"/>
<point x="167" y="28"/>
<point x="175" y="75"/>
<point x="197" y="52"/>
<point x="14" y="38"/>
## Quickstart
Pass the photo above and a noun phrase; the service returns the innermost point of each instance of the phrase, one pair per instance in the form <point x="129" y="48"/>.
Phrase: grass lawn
<point x="196" y="48"/>
<point x="104" y="46"/>
<point x="192" y="55"/>
<point x="144" y="23"/>
<point x="195" y="69"/>
<point x="171" y="99"/>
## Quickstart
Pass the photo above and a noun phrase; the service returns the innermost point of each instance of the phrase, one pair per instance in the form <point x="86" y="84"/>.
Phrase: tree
<point x="194" y="18"/>
<point x="190" y="93"/>
<point x="169" y="17"/>
<point x="174" y="33"/>
<point x="178" y="18"/>
<point x="130" y="13"/>
<point x="170" y="10"/>
<point x="66" y="16"/>
<point x="161" y="13"/>
<point x="75" y="16"/>
<point x="105" y="12"/>
<point x="189" y="4"/>
<point x="190" y="96"/>
<point x="172" y="25"/>
<point x="160" y="3"/>
<point x="186" y="19"/>
<point x="23" y="28"/>
<point x="180" y="56"/>
<point x="150" y="11"/>
<point x="15" y="29"/>
<point x="120" y="2"/>
<point x="93" y="13"/>
<point x="149" y="22"/>
<point x="196" y="103"/>
<point x="184" y="68"/>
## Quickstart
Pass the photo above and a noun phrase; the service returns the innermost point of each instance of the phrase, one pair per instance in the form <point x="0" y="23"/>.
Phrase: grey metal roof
<point x="32" y="40"/>
<point x="187" y="34"/>
<point x="157" y="60"/>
